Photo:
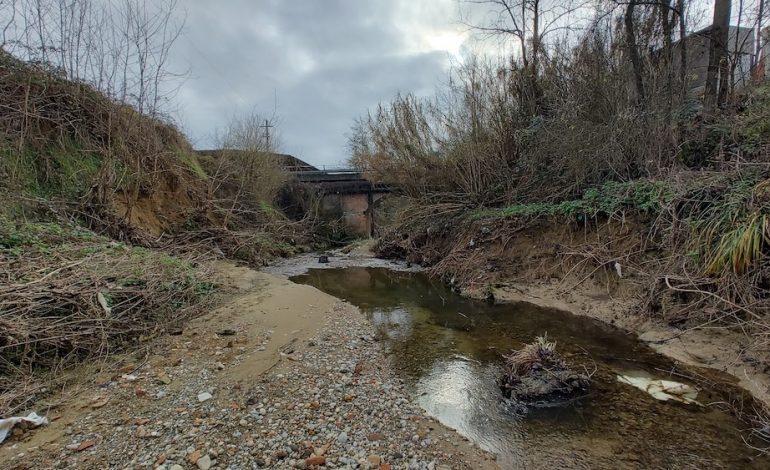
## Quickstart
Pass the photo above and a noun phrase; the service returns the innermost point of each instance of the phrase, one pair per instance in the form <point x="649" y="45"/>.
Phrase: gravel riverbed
<point x="326" y="398"/>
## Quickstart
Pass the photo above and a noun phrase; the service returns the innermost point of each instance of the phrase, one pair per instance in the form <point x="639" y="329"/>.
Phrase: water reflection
<point x="448" y="348"/>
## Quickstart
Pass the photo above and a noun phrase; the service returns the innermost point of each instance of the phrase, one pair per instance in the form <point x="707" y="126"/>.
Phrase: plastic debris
<point x="7" y="424"/>
<point x="663" y="390"/>
<point x="103" y="302"/>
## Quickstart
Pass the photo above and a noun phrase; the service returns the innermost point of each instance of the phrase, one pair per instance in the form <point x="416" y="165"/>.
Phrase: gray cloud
<point x="325" y="62"/>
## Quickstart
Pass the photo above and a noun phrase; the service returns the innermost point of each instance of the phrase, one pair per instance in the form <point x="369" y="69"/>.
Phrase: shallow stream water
<point x="448" y="349"/>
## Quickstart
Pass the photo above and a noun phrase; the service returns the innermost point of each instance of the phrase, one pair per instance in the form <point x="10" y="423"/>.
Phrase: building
<point x="740" y="54"/>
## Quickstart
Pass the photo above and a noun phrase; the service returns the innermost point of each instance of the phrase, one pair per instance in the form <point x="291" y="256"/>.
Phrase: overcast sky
<point x="320" y="63"/>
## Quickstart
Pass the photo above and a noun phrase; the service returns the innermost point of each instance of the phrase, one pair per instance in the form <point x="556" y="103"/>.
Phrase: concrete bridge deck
<point x="347" y="194"/>
<point x="341" y="181"/>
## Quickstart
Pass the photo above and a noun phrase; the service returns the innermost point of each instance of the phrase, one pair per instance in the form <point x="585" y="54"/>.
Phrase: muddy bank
<point x="600" y="270"/>
<point x="719" y="349"/>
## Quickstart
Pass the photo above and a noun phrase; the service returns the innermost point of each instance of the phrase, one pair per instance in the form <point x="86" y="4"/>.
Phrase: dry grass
<point x="68" y="295"/>
<point x="521" y="362"/>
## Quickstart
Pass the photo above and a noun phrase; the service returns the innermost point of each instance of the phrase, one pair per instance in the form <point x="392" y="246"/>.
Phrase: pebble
<point x="204" y="463"/>
<point x="340" y="407"/>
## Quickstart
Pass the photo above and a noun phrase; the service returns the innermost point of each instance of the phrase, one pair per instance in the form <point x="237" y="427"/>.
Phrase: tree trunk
<point x="666" y="19"/>
<point x="633" y="52"/>
<point x="717" y="78"/>
<point x="758" y="50"/>
<point x="682" y="49"/>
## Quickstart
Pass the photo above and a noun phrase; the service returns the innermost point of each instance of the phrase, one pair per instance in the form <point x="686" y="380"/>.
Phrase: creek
<point x="448" y="349"/>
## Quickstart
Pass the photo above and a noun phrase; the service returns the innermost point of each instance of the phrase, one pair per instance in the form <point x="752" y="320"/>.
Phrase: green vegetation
<point x="191" y="161"/>
<point x="640" y="196"/>
<point x="55" y="171"/>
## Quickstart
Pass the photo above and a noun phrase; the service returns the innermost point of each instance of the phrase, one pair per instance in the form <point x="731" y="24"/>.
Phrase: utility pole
<point x="267" y="126"/>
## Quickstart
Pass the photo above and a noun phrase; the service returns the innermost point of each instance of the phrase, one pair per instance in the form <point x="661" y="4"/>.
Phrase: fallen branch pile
<point x="74" y="296"/>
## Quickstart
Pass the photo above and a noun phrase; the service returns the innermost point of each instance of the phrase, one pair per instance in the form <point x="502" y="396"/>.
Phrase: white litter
<point x="7" y="424"/>
<point x="663" y="390"/>
<point x="103" y="302"/>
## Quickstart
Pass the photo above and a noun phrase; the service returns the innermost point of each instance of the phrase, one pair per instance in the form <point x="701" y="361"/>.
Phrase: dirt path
<point x="282" y="376"/>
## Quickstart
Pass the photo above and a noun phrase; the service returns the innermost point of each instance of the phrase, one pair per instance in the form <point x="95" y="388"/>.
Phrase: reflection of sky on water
<point x="395" y="324"/>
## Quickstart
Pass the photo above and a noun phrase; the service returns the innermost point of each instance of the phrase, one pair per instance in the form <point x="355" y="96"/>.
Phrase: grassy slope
<point x="84" y="182"/>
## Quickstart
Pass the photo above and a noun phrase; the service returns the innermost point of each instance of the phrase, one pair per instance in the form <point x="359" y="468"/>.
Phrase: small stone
<point x="320" y="451"/>
<point x="204" y="463"/>
<point x="205" y="396"/>
<point x="194" y="457"/>
<point x="176" y="467"/>
<point x="374" y="460"/>
<point x="375" y="436"/>
<point x="86" y="445"/>
<point x="342" y="438"/>
<point x="220" y="366"/>
<point x="316" y="460"/>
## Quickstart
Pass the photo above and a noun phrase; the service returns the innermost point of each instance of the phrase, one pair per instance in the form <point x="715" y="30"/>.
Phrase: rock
<point x="194" y="457"/>
<point x="320" y="451"/>
<point x="375" y="436"/>
<point x="219" y="366"/>
<point x="317" y="460"/>
<point x="537" y="376"/>
<point x="323" y="259"/>
<point x="85" y="445"/>
<point x="204" y="463"/>
<point x="342" y="439"/>
<point x="141" y="432"/>
<point x="374" y="460"/>
<point x="176" y="467"/>
<point x="204" y="396"/>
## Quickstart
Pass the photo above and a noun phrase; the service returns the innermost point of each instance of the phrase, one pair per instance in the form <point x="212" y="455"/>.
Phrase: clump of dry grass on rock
<point x="536" y="376"/>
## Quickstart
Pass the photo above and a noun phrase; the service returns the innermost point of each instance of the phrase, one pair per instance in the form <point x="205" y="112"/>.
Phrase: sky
<point x="315" y="64"/>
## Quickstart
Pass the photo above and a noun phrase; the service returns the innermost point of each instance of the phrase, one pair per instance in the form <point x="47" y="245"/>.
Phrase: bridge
<point x="346" y="194"/>
<point x="339" y="180"/>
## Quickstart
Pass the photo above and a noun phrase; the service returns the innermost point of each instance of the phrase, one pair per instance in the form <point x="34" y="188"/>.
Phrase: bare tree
<point x="7" y="19"/>
<point x="249" y="172"/>
<point x="718" y="68"/>
<point x="121" y="47"/>
<point x="633" y="51"/>
<point x="530" y="23"/>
